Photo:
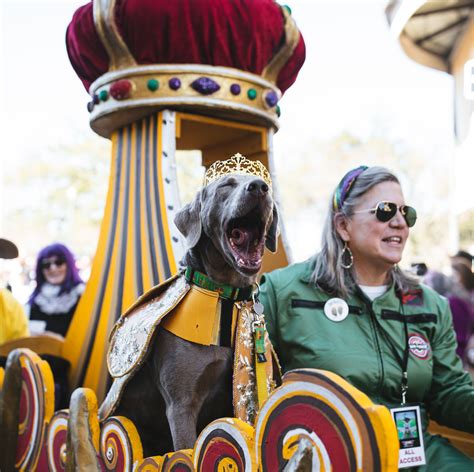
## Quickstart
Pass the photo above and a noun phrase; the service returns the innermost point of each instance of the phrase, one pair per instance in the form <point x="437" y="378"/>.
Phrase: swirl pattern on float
<point x="120" y="444"/>
<point x="36" y="407"/>
<point x="179" y="461"/>
<point x="329" y="413"/>
<point x="225" y="445"/>
<point x="151" y="464"/>
<point x="56" y="441"/>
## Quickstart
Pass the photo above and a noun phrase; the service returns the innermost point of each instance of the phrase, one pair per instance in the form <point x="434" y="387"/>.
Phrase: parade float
<point x="164" y="77"/>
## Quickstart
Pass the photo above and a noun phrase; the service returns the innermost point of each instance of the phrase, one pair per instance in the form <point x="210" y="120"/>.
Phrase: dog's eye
<point x="228" y="183"/>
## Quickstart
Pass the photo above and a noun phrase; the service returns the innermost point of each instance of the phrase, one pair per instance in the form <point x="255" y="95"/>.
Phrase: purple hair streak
<point x="342" y="190"/>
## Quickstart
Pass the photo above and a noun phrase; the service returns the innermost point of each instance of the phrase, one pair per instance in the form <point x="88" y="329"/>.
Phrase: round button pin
<point x="336" y="309"/>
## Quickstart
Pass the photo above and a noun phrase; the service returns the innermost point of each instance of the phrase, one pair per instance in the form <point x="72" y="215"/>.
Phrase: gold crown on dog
<point x="237" y="164"/>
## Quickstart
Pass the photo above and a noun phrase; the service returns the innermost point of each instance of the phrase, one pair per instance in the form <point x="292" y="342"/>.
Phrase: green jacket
<point x="359" y="350"/>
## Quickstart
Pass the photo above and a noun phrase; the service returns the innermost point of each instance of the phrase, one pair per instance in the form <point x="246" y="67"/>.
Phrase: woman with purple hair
<point x="58" y="288"/>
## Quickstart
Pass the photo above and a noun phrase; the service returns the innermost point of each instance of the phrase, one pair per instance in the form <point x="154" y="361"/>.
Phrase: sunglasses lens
<point x="386" y="211"/>
<point x="409" y="213"/>
<point x="58" y="263"/>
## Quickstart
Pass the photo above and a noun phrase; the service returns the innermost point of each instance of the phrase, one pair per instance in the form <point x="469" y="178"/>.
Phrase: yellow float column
<point x="136" y="249"/>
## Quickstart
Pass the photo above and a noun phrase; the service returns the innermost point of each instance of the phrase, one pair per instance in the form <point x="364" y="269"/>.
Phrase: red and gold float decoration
<point x="32" y="436"/>
<point x="180" y="461"/>
<point x="226" y="444"/>
<point x="55" y="450"/>
<point x="119" y="444"/>
<point x="343" y="426"/>
<point x="345" y="431"/>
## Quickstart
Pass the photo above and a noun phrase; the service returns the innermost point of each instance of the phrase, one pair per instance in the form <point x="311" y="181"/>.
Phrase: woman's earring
<point x="346" y="258"/>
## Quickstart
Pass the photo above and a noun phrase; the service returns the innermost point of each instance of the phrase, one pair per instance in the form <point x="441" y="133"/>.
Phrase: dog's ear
<point x="188" y="221"/>
<point x="271" y="241"/>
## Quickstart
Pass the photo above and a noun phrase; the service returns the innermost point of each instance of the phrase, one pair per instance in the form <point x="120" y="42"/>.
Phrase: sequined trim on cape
<point x="133" y="332"/>
<point x="244" y="383"/>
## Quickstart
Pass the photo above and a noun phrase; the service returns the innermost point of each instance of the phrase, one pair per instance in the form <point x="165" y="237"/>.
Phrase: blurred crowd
<point x="458" y="288"/>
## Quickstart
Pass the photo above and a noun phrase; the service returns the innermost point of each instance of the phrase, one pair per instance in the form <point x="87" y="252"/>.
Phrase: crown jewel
<point x="237" y="164"/>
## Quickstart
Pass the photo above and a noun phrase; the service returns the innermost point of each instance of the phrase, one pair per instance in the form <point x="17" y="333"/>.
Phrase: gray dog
<point x="182" y="386"/>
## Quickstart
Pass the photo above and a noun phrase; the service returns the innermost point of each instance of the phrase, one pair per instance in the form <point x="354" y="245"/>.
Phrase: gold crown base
<point x="152" y="88"/>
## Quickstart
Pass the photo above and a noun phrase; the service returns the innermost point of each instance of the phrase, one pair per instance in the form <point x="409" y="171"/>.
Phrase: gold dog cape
<point x="193" y="314"/>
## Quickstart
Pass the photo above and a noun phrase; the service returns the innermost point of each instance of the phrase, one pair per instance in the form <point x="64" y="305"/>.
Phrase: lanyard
<point x="404" y="366"/>
<point x="402" y="361"/>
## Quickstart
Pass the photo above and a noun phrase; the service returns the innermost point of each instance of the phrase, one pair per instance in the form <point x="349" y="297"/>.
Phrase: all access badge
<point x="410" y="436"/>
<point x="336" y="309"/>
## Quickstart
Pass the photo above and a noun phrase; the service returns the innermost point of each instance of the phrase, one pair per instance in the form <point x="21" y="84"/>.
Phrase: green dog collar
<point x="225" y="291"/>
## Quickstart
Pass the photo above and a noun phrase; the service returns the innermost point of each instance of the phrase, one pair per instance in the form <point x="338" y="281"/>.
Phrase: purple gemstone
<point x="96" y="99"/>
<point x="271" y="98"/>
<point x="174" y="83"/>
<point x="205" y="86"/>
<point x="235" y="89"/>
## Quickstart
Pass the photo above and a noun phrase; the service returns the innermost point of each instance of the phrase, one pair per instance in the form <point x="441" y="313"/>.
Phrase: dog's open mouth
<point x="247" y="242"/>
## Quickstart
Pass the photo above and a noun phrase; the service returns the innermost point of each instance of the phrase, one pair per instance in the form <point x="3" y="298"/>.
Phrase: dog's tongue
<point x="241" y="236"/>
<point x="247" y="246"/>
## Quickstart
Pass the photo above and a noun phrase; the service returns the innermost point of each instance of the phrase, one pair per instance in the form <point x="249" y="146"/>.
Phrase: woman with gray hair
<point x="351" y="310"/>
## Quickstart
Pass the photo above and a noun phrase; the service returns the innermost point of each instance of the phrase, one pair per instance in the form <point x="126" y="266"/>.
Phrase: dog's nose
<point x="257" y="187"/>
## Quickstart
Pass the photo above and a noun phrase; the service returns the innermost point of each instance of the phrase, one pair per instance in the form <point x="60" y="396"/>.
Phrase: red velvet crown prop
<point x="225" y="57"/>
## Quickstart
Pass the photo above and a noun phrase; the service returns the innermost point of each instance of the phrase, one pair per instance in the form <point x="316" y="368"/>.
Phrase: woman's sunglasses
<point x="47" y="264"/>
<point x="385" y="211"/>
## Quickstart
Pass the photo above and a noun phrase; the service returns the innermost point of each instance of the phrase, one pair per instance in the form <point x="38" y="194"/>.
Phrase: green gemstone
<point x="278" y="110"/>
<point x="103" y="95"/>
<point x="287" y="8"/>
<point x="252" y="94"/>
<point x="153" y="85"/>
